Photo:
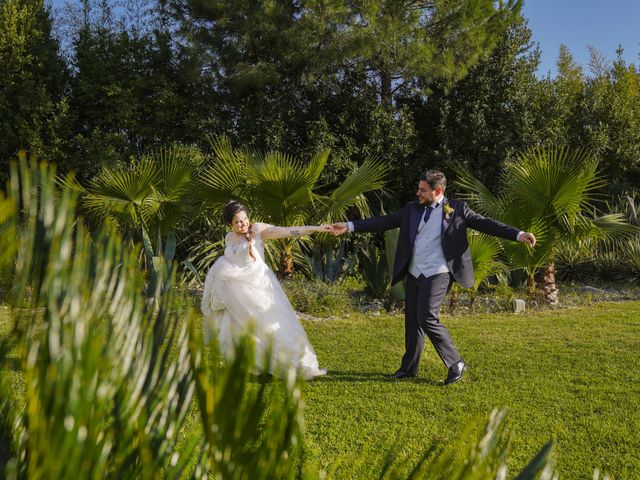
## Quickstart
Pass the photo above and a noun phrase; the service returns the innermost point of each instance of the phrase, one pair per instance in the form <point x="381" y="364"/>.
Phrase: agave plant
<point x="576" y="261"/>
<point x="551" y="193"/>
<point x="283" y="190"/>
<point x="328" y="262"/>
<point x="619" y="259"/>
<point x="375" y="271"/>
<point x="390" y="246"/>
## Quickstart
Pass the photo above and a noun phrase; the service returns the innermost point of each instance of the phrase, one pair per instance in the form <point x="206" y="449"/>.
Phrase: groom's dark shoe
<point x="455" y="372"/>
<point x="401" y="374"/>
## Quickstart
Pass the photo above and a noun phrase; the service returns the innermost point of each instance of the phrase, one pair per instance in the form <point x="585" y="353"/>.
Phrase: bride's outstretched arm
<point x="270" y="232"/>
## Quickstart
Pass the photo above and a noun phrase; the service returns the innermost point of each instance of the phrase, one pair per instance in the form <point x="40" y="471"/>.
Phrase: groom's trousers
<point x="423" y="298"/>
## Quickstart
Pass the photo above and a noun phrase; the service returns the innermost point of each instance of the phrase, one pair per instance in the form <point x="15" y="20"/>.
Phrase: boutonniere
<point x="448" y="211"/>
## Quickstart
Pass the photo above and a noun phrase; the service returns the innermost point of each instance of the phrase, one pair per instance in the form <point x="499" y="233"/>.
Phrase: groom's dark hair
<point x="231" y="209"/>
<point x="434" y="178"/>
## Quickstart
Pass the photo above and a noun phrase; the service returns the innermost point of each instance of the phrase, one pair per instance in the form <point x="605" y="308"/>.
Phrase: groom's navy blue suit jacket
<point x="454" y="236"/>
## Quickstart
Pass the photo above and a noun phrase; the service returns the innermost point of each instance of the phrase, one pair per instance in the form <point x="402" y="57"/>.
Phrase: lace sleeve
<point x="259" y="228"/>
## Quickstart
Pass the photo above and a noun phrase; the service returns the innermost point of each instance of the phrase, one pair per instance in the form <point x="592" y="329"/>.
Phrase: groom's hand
<point x="340" y="228"/>
<point x="528" y="238"/>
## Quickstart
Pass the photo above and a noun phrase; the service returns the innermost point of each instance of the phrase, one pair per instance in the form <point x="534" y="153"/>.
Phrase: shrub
<point x="318" y="298"/>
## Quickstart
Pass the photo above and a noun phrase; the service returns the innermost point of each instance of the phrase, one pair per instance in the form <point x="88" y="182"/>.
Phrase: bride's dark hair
<point x="231" y="209"/>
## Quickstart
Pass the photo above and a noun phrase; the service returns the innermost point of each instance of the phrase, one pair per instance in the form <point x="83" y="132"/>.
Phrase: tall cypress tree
<point x="33" y="83"/>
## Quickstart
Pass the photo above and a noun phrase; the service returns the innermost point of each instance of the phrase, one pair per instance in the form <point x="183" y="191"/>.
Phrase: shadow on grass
<point x="334" y="376"/>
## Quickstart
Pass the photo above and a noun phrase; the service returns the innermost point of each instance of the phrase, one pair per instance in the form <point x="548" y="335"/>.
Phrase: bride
<point x="242" y="295"/>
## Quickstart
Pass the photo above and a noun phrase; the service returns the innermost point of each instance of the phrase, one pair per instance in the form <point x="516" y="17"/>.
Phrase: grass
<point x="572" y="375"/>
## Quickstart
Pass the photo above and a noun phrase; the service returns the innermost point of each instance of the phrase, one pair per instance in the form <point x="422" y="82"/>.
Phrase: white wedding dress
<point x="242" y="295"/>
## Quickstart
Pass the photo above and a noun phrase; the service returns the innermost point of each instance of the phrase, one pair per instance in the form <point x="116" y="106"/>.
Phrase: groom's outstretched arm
<point x="498" y="229"/>
<point x="373" y="224"/>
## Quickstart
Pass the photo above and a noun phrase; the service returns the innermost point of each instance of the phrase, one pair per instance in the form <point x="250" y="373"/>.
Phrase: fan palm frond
<point x="485" y="251"/>
<point x="556" y="182"/>
<point x="226" y="177"/>
<point x="177" y="170"/>
<point x="124" y="194"/>
<point x="479" y="197"/>
<point x="282" y="186"/>
<point x="368" y="177"/>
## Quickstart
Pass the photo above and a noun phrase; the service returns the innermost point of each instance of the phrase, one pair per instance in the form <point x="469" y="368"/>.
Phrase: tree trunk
<point x="472" y="298"/>
<point x="547" y="284"/>
<point x="453" y="300"/>
<point x="286" y="264"/>
<point x="531" y="286"/>
<point x="386" y="95"/>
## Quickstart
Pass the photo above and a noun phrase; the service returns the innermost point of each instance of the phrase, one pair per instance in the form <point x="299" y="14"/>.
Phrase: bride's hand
<point x="324" y="228"/>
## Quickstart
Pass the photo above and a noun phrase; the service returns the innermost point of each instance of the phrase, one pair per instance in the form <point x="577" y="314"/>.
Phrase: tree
<point x="489" y="115"/>
<point x="134" y="89"/>
<point x="561" y="102"/>
<point x="551" y="193"/>
<point x="285" y="67"/>
<point x="408" y="44"/>
<point x="33" y="83"/>
<point x="283" y="190"/>
<point x="610" y="121"/>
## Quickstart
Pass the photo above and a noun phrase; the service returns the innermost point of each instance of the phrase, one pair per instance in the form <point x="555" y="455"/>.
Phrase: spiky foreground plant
<point x="108" y="375"/>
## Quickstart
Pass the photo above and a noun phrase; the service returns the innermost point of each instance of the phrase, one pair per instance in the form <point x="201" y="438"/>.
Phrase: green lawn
<point x="572" y="374"/>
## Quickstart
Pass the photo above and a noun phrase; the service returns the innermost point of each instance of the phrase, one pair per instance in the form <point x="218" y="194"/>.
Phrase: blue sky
<point x="578" y="23"/>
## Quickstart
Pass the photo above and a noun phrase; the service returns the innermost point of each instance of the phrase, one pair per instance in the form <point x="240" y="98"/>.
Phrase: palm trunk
<point x="286" y="264"/>
<point x="547" y="284"/>
<point x="472" y="298"/>
<point x="531" y="287"/>
<point x="453" y="300"/>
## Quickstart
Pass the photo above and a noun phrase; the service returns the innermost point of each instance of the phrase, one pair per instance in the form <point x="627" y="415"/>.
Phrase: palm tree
<point x="147" y="199"/>
<point x="485" y="251"/>
<point x="284" y="190"/>
<point x="551" y="193"/>
<point x="153" y="193"/>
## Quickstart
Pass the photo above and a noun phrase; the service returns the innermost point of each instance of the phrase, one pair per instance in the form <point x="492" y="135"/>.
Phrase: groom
<point x="432" y="251"/>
